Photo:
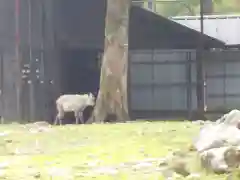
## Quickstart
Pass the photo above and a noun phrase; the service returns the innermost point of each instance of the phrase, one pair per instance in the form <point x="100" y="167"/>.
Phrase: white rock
<point x="214" y="136"/>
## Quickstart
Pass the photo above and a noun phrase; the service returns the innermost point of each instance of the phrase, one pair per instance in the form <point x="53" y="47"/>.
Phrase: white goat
<point x="73" y="103"/>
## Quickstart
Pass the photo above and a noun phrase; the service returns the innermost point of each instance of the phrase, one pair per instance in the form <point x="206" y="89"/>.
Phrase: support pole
<point x="199" y="64"/>
<point x="31" y="62"/>
<point x="18" y="61"/>
<point x="2" y="98"/>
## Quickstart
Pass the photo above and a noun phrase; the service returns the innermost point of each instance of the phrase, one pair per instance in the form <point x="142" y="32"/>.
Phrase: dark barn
<point x="162" y="66"/>
<point x="53" y="47"/>
<point x="48" y="48"/>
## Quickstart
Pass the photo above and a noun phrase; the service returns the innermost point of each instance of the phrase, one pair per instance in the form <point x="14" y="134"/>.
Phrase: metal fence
<point x="222" y="80"/>
<point x="162" y="82"/>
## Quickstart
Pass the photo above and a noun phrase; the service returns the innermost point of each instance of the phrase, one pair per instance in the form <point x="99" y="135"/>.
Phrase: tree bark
<point x="111" y="103"/>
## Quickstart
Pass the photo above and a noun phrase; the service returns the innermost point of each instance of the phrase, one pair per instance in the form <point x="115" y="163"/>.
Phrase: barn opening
<point x="80" y="73"/>
<point x="79" y="36"/>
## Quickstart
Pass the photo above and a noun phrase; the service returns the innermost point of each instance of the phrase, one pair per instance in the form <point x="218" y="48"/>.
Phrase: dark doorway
<point x="80" y="73"/>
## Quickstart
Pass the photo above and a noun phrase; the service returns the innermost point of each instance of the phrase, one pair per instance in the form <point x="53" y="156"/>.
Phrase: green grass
<point x="77" y="152"/>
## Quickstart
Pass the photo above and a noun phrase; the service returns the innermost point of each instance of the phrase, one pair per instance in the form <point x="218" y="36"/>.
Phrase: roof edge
<point x="230" y="16"/>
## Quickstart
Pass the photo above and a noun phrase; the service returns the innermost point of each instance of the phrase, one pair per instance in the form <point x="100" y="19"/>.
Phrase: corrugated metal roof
<point x="223" y="27"/>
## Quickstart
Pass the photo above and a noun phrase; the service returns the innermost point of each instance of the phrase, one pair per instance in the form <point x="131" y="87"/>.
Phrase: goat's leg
<point x="81" y="117"/>
<point x="76" y="114"/>
<point x="2" y="120"/>
<point x="56" y="120"/>
<point x="60" y="115"/>
<point x="59" y="118"/>
<point x="60" y="121"/>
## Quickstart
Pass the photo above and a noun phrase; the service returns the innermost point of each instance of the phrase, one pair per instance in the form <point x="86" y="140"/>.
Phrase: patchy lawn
<point x="111" y="151"/>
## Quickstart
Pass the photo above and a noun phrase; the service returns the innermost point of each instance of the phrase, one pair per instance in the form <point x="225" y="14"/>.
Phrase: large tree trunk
<point x="112" y="97"/>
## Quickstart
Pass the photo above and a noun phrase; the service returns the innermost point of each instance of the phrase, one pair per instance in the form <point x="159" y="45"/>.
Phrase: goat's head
<point x="90" y="100"/>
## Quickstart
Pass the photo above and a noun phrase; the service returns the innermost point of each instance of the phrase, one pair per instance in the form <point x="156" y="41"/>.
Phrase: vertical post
<point x="201" y="23"/>
<point x="152" y="83"/>
<point x="138" y="3"/>
<point x="199" y="63"/>
<point x="207" y="7"/>
<point x="2" y="87"/>
<point x="224" y="83"/>
<point x="53" y="85"/>
<point x="189" y="84"/>
<point x="18" y="61"/>
<point x="31" y="82"/>
<point x="152" y="5"/>
<point x="42" y="63"/>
